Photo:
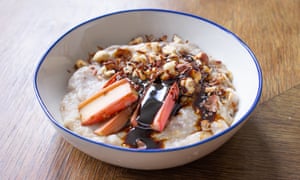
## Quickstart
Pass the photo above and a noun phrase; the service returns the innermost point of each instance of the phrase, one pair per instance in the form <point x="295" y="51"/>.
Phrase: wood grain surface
<point x="267" y="147"/>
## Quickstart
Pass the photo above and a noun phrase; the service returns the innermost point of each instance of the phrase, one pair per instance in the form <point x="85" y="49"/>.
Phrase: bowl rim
<point x="240" y="121"/>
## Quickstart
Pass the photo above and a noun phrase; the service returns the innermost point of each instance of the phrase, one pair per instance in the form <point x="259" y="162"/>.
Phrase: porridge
<point x="150" y="93"/>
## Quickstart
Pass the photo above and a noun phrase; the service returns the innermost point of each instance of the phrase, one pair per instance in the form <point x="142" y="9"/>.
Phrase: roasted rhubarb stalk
<point x="111" y="80"/>
<point x="156" y="106"/>
<point x="162" y="116"/>
<point x="107" y="102"/>
<point x="114" y="124"/>
<point x="152" y="114"/>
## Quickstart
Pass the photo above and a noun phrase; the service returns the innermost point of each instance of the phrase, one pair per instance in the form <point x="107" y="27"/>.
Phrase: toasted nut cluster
<point x="147" y="58"/>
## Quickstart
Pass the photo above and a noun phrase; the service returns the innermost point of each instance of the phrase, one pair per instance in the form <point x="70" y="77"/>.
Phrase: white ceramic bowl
<point x="51" y="76"/>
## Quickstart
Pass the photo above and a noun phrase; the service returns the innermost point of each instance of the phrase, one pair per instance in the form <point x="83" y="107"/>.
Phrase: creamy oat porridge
<point x="150" y="94"/>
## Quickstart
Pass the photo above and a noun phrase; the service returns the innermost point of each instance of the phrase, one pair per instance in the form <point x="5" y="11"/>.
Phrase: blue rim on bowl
<point x="241" y="120"/>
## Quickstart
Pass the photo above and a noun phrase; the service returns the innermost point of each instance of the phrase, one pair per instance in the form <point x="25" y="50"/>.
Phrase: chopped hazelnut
<point x="189" y="85"/>
<point x="203" y="57"/>
<point x="80" y="63"/>
<point x="196" y="75"/>
<point x="168" y="50"/>
<point x="177" y="39"/>
<point x="169" y="67"/>
<point x="136" y="40"/>
<point x="139" y="58"/>
<point x="205" y="125"/>
<point x="155" y="47"/>
<point x="101" y="56"/>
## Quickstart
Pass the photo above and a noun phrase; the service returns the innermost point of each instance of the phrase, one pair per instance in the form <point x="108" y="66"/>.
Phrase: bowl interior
<point x="56" y="66"/>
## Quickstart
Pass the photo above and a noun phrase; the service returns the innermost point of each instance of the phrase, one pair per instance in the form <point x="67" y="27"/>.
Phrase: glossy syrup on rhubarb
<point x="140" y="136"/>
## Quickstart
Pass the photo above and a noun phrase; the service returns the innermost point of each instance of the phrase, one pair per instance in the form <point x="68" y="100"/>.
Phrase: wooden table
<point x="267" y="147"/>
